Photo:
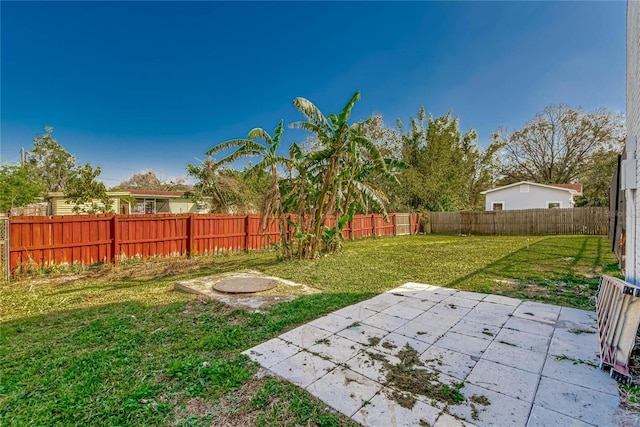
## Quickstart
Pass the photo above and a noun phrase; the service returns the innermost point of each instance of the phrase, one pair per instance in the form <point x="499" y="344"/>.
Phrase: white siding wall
<point x="536" y="198"/>
<point x="633" y="130"/>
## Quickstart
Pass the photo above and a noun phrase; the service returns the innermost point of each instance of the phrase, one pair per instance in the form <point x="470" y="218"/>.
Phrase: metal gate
<point x="4" y="249"/>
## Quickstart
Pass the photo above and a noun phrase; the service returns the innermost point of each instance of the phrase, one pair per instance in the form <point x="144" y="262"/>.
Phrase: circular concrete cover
<point x="245" y="285"/>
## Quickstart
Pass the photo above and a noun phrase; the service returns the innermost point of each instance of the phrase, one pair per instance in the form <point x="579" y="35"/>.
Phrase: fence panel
<point x="144" y="236"/>
<point x="587" y="220"/>
<point x="42" y="241"/>
<point x="402" y="224"/>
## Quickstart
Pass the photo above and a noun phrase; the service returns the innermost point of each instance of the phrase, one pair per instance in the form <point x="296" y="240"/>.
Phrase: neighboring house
<point x="631" y="169"/>
<point x="531" y="195"/>
<point x="58" y="205"/>
<point x="135" y="202"/>
<point x="159" y="201"/>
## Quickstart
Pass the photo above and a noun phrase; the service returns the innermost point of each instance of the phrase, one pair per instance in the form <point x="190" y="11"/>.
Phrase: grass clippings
<point x="576" y="361"/>
<point x="373" y="341"/>
<point x="410" y="378"/>
<point x="581" y="331"/>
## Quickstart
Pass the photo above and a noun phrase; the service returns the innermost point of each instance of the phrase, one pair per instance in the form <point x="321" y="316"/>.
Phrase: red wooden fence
<point x="90" y="239"/>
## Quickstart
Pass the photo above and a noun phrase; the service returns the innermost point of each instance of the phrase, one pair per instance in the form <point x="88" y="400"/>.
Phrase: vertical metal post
<point x="5" y="262"/>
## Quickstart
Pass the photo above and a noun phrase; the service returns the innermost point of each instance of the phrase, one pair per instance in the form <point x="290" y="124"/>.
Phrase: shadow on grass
<point x="554" y="270"/>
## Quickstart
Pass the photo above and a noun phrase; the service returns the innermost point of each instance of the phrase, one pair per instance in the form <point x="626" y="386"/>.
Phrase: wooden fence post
<point x="115" y="238"/>
<point x="190" y="234"/>
<point x="246" y="233"/>
<point x="373" y="225"/>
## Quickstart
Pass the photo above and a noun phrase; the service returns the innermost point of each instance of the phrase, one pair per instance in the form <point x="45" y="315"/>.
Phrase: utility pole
<point x="23" y="156"/>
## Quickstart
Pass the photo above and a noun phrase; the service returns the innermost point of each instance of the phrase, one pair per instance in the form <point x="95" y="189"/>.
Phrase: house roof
<point x="575" y="189"/>
<point x="163" y="193"/>
<point x="576" y="186"/>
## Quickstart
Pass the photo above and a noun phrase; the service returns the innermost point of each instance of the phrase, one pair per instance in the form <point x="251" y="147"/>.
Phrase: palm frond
<point x="311" y="112"/>
<point x="239" y="153"/>
<point x="259" y="133"/>
<point x="232" y="143"/>
<point x="345" y="114"/>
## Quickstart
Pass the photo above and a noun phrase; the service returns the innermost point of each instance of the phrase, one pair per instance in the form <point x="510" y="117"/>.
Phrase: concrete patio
<point x="515" y="363"/>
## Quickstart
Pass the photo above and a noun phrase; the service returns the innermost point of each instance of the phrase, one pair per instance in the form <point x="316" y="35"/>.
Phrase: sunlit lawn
<point x="120" y="347"/>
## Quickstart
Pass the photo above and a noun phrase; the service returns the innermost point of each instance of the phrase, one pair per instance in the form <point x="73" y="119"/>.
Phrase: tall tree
<point x="86" y="193"/>
<point x="49" y="162"/>
<point x="148" y="180"/>
<point x="17" y="187"/>
<point x="448" y="170"/>
<point x="559" y="144"/>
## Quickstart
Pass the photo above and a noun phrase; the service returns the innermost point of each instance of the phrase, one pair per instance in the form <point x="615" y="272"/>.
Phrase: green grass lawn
<point x="119" y="347"/>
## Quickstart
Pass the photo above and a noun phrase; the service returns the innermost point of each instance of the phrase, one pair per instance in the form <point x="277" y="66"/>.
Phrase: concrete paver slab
<point x="384" y="411"/>
<point x="516" y="357"/>
<point x="524" y="340"/>
<point x="499" y="299"/>
<point x="471" y="295"/>
<point x="459" y="301"/>
<point x="381" y="302"/>
<point x="355" y="313"/>
<point x="463" y="344"/>
<point x="477" y="330"/>
<point x="423" y="330"/>
<point x="370" y="363"/>
<point x="522" y="363"/>
<point x="530" y="326"/>
<point x="504" y="379"/>
<point x="575" y="315"/>
<point x="385" y="322"/>
<point x="394" y="342"/>
<point x="363" y="334"/>
<point x="303" y="368"/>
<point x="403" y="311"/>
<point x="435" y="295"/>
<point x="344" y="390"/>
<point x="331" y="322"/>
<point x="305" y="336"/>
<point x="584" y="404"/>
<point x="581" y="337"/>
<point x="446" y="420"/>
<point x="490" y="313"/>
<point x="336" y="348"/>
<point x="502" y="410"/>
<point x="562" y="347"/>
<point x="453" y="363"/>
<point x="542" y="417"/>
<point x="419" y="303"/>
<point x="271" y="352"/>
<point x="581" y="374"/>
<point x="536" y="311"/>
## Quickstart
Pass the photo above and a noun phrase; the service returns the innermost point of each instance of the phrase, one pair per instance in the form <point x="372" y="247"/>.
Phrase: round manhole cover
<point x="244" y="285"/>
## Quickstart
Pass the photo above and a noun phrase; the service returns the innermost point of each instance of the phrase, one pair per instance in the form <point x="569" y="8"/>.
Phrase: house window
<point x="554" y="205"/>
<point x="497" y="206"/>
<point x="524" y="188"/>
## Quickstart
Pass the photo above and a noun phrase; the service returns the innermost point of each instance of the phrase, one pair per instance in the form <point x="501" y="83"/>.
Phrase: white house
<point x="531" y="195"/>
<point x="631" y="167"/>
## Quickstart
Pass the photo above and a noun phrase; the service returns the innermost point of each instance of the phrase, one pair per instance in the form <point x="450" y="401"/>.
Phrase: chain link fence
<point x="4" y="249"/>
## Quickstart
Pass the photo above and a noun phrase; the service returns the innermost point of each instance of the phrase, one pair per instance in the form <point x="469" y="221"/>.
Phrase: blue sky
<point x="132" y="86"/>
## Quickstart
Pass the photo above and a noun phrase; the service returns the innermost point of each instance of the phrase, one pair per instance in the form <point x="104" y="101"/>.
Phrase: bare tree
<point x="558" y="144"/>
